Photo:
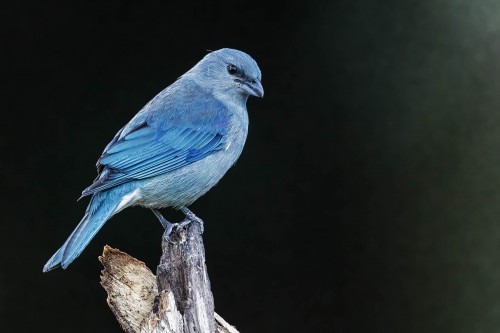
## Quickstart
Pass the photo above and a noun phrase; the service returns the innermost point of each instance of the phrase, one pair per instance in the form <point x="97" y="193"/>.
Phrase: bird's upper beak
<point x="253" y="87"/>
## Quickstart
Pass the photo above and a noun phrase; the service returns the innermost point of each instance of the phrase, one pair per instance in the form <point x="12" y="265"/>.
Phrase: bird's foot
<point x="172" y="229"/>
<point x="168" y="226"/>
<point x="190" y="217"/>
<point x="167" y="235"/>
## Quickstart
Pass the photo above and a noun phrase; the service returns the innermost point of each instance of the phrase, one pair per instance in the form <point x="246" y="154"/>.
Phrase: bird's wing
<point x="161" y="143"/>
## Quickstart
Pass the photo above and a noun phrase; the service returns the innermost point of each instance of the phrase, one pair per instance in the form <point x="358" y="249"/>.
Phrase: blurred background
<point x="367" y="197"/>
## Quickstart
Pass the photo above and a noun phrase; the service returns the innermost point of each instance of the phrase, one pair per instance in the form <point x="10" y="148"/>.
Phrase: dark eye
<point x="232" y="69"/>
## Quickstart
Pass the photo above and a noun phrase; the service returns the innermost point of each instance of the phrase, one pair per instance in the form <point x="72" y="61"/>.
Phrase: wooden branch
<point x="177" y="300"/>
<point x="131" y="288"/>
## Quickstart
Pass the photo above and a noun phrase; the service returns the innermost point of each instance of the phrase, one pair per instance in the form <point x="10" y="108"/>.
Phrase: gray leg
<point x="166" y="225"/>
<point x="190" y="217"/>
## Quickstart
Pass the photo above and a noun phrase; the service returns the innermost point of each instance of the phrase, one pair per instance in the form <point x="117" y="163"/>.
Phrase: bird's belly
<point x="183" y="186"/>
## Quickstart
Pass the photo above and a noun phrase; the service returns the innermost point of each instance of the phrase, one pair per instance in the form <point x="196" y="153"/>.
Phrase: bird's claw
<point x="188" y="220"/>
<point x="167" y="235"/>
<point x="172" y="229"/>
<point x="191" y="217"/>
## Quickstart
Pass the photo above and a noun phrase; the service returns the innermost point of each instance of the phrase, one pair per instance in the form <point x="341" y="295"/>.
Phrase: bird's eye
<point x="232" y="69"/>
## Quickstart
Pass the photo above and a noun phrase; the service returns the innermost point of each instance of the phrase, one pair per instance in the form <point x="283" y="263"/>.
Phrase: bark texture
<point x="177" y="300"/>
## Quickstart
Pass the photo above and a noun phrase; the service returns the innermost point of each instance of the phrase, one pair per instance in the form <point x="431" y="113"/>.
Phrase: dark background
<point x="367" y="197"/>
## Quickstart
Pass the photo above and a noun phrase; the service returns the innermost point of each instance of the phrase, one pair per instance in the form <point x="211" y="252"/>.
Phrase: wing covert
<point x="150" y="149"/>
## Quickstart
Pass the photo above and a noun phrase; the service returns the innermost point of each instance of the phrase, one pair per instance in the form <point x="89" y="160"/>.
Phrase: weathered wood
<point x="131" y="288"/>
<point x="179" y="300"/>
<point x="182" y="270"/>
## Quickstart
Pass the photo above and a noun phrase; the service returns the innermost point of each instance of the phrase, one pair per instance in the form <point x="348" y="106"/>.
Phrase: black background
<point x="367" y="196"/>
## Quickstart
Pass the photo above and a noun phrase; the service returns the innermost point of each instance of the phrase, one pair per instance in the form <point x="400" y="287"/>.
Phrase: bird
<point x="175" y="149"/>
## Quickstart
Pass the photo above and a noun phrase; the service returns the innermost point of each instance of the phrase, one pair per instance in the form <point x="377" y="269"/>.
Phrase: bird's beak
<point x="253" y="87"/>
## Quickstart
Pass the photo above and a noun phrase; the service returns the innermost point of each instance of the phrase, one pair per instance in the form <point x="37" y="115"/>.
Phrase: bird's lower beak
<point x="253" y="87"/>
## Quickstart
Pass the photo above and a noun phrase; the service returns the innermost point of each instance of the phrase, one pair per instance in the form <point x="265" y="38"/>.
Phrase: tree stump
<point x="177" y="300"/>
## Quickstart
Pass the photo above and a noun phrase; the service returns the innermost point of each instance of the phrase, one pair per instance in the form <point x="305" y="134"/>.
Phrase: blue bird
<point x="173" y="150"/>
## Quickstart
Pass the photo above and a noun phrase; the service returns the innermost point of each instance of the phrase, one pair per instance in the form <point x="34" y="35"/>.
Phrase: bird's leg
<point x="166" y="225"/>
<point x="190" y="217"/>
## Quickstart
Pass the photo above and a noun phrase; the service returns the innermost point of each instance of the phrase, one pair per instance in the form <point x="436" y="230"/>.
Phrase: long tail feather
<point x="101" y="208"/>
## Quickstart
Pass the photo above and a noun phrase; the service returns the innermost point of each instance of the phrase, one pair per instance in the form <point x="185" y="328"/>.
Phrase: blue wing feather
<point x="160" y="139"/>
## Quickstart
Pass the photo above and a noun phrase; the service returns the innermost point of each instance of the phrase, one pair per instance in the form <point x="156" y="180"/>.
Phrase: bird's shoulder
<point x="183" y="105"/>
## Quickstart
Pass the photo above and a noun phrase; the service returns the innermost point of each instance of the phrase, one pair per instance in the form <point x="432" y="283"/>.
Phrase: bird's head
<point x="229" y="71"/>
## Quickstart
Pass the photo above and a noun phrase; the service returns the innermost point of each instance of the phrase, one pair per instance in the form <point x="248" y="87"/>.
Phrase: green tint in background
<point x="425" y="113"/>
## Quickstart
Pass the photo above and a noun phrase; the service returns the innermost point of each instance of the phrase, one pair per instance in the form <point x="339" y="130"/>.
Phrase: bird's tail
<point x="102" y="207"/>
